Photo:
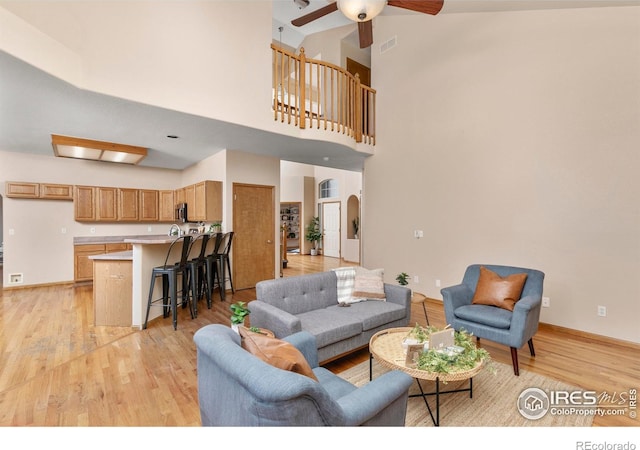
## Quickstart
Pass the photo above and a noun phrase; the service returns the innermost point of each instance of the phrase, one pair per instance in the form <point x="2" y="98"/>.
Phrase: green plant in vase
<point x="313" y="234"/>
<point x="239" y="311"/>
<point x="403" y="279"/>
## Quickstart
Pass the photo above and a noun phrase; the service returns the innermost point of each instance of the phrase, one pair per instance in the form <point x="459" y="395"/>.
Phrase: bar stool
<point x="225" y="265"/>
<point x="196" y="273"/>
<point x="212" y="262"/>
<point x="170" y="273"/>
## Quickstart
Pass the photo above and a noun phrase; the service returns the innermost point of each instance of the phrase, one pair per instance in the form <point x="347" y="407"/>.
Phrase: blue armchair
<point x="236" y="388"/>
<point x="511" y="328"/>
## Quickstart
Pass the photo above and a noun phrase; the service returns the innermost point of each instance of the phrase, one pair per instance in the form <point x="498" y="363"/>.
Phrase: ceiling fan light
<point x="361" y="10"/>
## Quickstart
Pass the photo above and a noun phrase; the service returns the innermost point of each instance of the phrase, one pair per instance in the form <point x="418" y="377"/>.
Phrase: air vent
<point x="389" y="44"/>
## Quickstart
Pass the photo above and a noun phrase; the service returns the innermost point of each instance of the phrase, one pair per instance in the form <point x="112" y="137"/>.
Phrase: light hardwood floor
<point x="60" y="369"/>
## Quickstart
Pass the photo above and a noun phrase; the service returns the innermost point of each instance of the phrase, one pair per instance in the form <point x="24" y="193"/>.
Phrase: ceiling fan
<point x="363" y="11"/>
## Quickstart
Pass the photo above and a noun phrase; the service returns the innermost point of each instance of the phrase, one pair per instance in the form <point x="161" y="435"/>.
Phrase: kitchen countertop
<point x="81" y="240"/>
<point x="114" y="256"/>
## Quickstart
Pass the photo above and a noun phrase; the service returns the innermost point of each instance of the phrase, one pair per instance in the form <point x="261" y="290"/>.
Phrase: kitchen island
<point x="112" y="289"/>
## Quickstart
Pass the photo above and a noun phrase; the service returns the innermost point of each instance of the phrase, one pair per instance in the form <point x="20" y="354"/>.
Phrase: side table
<point x="417" y="297"/>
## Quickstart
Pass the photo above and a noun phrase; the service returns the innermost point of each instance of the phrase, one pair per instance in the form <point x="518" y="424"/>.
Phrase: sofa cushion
<point x="301" y="293"/>
<point x="329" y="325"/>
<point x="486" y="315"/>
<point x="369" y="284"/>
<point x="276" y="352"/>
<point x="503" y="292"/>
<point x="373" y="314"/>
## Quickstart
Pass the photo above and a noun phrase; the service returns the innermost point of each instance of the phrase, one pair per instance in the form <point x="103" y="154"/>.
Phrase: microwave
<point x="181" y="212"/>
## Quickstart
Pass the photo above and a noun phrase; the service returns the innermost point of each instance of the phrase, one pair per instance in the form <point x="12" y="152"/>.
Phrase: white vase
<point x="314" y="252"/>
<point x="234" y="326"/>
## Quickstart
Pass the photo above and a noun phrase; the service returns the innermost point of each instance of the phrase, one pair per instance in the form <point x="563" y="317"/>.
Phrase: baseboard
<point x="31" y="286"/>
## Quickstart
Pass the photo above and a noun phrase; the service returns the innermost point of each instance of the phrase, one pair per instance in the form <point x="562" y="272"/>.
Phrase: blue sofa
<point x="236" y="388"/>
<point x="310" y="303"/>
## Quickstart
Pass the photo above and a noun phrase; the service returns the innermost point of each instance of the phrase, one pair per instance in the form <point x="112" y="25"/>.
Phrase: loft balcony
<point x="309" y="93"/>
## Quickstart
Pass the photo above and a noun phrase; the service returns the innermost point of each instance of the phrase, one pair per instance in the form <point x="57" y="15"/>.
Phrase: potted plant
<point x="313" y="234"/>
<point x="403" y="279"/>
<point x="356" y="227"/>
<point x="239" y="311"/>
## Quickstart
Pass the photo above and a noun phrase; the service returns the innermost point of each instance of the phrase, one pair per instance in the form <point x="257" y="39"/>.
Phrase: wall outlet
<point x="546" y="302"/>
<point x="418" y="234"/>
<point x="15" y="278"/>
<point x="149" y="229"/>
<point x="416" y="279"/>
<point x="602" y="311"/>
<point x="437" y="283"/>
<point x="63" y="230"/>
<point x="92" y="230"/>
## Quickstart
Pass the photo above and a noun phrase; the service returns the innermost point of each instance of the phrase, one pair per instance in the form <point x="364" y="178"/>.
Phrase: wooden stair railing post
<point x="358" y="110"/>
<point x="301" y="98"/>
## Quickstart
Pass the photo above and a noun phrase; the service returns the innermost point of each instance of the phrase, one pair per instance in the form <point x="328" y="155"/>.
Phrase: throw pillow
<point x="495" y="290"/>
<point x="276" y="352"/>
<point x="369" y="284"/>
<point x="346" y="280"/>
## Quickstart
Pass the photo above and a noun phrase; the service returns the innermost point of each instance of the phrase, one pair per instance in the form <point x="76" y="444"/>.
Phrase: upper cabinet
<point x="47" y="191"/>
<point x="207" y="202"/>
<point x="113" y="204"/>
<point x="167" y="206"/>
<point x="148" y="205"/>
<point x="128" y="205"/>
<point x="84" y="203"/>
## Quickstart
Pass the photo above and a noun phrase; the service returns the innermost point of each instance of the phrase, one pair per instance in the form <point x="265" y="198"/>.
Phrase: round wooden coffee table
<point x="386" y="347"/>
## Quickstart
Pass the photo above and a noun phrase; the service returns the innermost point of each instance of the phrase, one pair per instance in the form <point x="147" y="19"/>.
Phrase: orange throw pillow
<point x="495" y="290"/>
<point x="276" y="352"/>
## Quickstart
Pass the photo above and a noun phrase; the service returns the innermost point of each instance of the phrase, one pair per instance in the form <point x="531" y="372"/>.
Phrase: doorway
<point x="331" y="229"/>
<point x="253" y="249"/>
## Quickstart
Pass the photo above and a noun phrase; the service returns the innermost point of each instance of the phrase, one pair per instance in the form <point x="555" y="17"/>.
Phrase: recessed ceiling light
<point x="326" y="158"/>
<point x="172" y="136"/>
<point x="71" y="147"/>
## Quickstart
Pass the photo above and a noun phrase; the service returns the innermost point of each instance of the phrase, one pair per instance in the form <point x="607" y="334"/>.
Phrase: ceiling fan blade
<point x="313" y="15"/>
<point x="365" y="32"/>
<point x="432" y="7"/>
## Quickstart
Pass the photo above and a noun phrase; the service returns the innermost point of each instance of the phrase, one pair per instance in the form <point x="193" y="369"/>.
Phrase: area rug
<point x="494" y="402"/>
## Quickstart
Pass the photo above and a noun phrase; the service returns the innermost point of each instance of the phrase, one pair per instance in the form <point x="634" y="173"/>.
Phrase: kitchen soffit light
<point x="71" y="147"/>
<point x="361" y="10"/>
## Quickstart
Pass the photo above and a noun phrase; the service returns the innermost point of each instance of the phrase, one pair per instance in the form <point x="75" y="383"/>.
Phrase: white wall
<point x="512" y="138"/>
<point x="142" y="51"/>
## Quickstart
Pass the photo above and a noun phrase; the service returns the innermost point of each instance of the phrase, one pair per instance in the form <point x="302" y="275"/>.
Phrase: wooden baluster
<point x="302" y="94"/>
<point x="358" y="109"/>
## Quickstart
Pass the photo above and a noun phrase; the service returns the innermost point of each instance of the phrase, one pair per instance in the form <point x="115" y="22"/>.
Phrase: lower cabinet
<point x="83" y="265"/>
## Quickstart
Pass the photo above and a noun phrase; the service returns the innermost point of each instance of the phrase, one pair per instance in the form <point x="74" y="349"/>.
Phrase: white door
<point x="331" y="229"/>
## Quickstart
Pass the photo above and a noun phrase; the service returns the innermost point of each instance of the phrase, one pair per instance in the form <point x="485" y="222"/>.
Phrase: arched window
<point x="328" y="188"/>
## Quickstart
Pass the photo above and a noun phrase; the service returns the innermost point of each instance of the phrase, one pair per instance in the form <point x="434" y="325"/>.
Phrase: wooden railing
<point x="311" y="93"/>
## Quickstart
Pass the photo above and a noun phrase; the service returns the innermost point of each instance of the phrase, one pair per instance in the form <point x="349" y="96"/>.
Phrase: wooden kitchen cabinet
<point x="190" y="200"/>
<point x="16" y="189"/>
<point x="83" y="266"/>
<point x="106" y="199"/>
<point x="207" y="202"/>
<point x="166" y="206"/>
<point x="56" y="191"/>
<point x="148" y="205"/>
<point x="84" y="203"/>
<point x="128" y="205"/>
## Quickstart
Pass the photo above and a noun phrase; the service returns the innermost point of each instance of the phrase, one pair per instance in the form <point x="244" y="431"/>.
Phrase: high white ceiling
<point x="34" y="104"/>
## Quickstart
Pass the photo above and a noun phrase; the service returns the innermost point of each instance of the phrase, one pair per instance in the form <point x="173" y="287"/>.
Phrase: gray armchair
<point x="511" y="328"/>
<point x="235" y="388"/>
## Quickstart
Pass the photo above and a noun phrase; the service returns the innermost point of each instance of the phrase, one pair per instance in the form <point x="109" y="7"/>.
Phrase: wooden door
<point x="253" y="252"/>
